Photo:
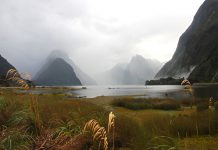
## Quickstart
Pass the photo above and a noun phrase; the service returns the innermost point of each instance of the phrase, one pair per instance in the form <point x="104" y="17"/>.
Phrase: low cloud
<point x="96" y="34"/>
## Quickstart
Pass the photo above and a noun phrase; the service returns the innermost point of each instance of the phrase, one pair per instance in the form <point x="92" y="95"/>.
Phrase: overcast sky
<point x="96" y="34"/>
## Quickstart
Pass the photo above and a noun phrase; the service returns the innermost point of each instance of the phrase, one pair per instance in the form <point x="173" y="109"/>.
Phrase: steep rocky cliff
<point x="4" y="67"/>
<point x="196" y="56"/>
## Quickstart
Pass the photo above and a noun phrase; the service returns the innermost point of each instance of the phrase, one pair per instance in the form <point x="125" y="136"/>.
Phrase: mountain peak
<point x="83" y="77"/>
<point x="137" y="71"/>
<point x="137" y="57"/>
<point x="58" y="54"/>
<point x="58" y="73"/>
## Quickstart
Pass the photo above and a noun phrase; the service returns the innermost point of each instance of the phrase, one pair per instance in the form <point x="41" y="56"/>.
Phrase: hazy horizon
<point x="95" y="34"/>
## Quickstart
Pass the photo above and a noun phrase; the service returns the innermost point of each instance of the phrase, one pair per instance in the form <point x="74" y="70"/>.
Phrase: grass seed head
<point x="185" y="82"/>
<point x="99" y="133"/>
<point x="111" y="121"/>
<point x="13" y="75"/>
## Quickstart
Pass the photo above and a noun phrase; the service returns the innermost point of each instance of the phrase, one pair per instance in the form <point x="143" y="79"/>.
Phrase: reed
<point x="99" y="133"/>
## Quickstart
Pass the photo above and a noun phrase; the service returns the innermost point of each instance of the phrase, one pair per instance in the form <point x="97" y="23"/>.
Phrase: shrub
<point x="186" y="102"/>
<point x="139" y="104"/>
<point x="134" y="104"/>
<point x="202" y="106"/>
<point x="166" y="105"/>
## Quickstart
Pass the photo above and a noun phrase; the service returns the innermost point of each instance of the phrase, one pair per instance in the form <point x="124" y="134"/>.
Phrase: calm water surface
<point x="137" y="90"/>
<point x="171" y="91"/>
<point x="141" y="91"/>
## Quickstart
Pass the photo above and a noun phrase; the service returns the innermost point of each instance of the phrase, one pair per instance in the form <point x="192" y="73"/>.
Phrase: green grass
<point x="27" y="121"/>
<point x="25" y="117"/>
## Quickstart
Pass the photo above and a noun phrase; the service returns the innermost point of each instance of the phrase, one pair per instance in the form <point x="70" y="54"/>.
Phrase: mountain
<point x="113" y="76"/>
<point x="83" y="77"/>
<point x="4" y="67"/>
<point x="57" y="73"/>
<point x="196" y="56"/>
<point x="140" y="69"/>
<point x="137" y="71"/>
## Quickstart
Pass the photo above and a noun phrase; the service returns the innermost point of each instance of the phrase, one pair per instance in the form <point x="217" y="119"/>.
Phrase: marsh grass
<point x="177" y="124"/>
<point x="198" y="143"/>
<point x="62" y="120"/>
<point x="40" y="118"/>
<point x="15" y="140"/>
<point x="162" y="143"/>
<point x="130" y="133"/>
<point x="140" y="104"/>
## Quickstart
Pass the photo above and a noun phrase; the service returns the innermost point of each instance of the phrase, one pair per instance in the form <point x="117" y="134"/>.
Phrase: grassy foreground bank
<point x="56" y="121"/>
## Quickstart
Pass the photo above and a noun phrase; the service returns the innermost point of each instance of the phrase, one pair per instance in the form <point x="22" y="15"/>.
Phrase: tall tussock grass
<point x="44" y="121"/>
<point x="99" y="133"/>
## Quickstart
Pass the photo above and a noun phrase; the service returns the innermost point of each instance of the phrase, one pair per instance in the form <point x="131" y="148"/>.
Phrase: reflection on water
<point x="205" y="91"/>
<point x="162" y="91"/>
<point x="137" y="90"/>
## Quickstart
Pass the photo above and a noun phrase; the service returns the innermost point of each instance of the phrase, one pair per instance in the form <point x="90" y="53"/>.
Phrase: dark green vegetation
<point x="165" y="81"/>
<point x="140" y="104"/>
<point x="4" y="67"/>
<point x="197" y="48"/>
<point x="180" y="126"/>
<point x="55" y="121"/>
<point x="52" y="75"/>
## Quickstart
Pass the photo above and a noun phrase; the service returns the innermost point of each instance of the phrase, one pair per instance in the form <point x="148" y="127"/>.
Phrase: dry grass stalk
<point x="185" y="82"/>
<point x="14" y="76"/>
<point x="211" y="103"/>
<point x="111" y="124"/>
<point x="10" y="73"/>
<point x="189" y="87"/>
<point x="111" y="121"/>
<point x="99" y="133"/>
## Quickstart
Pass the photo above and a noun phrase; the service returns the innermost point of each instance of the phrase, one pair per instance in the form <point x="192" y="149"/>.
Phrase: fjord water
<point x="160" y="91"/>
<point x="122" y="90"/>
<point x="139" y="91"/>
